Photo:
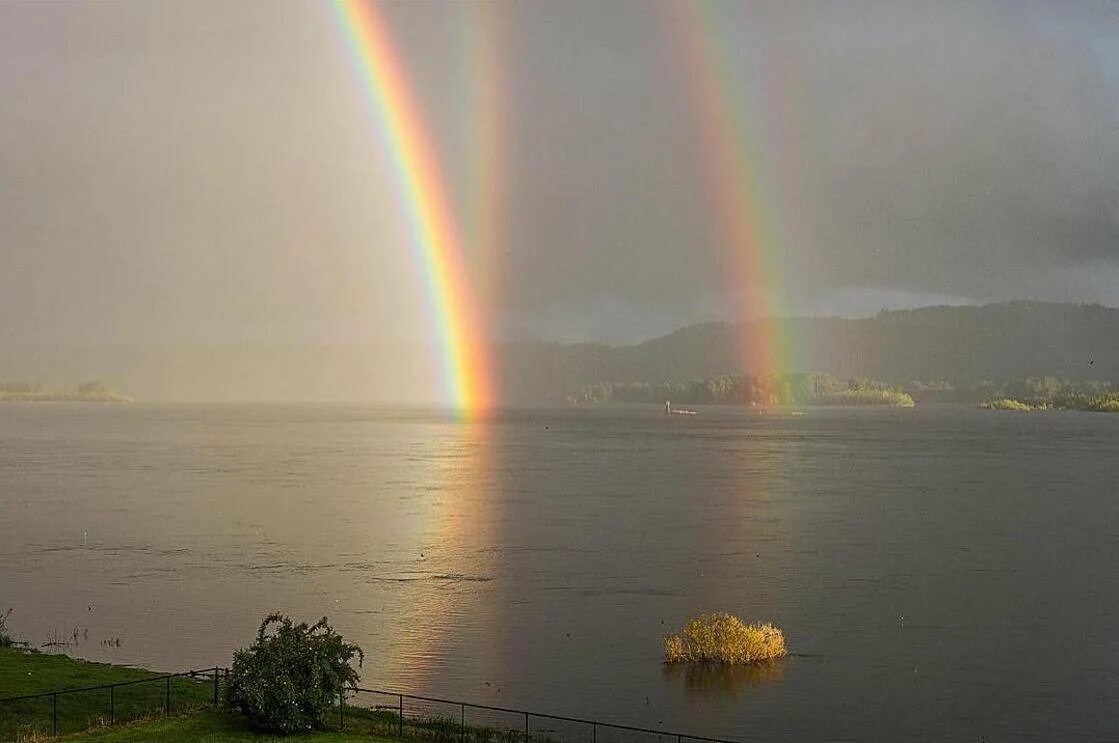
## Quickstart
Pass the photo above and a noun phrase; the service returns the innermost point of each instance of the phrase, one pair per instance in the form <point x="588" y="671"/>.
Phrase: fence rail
<point x="450" y="721"/>
<point x="359" y="710"/>
<point x="75" y="709"/>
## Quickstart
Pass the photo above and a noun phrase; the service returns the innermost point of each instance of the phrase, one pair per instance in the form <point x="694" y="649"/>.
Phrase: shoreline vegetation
<point x="87" y="392"/>
<point x="140" y="711"/>
<point x="1050" y="393"/>
<point x="292" y="684"/>
<point x="767" y="390"/>
<point x="818" y="389"/>
<point x="35" y="392"/>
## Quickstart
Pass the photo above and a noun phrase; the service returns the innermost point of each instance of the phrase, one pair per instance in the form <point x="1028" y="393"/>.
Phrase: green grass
<point x="208" y="725"/>
<point x="139" y="709"/>
<point x="23" y="673"/>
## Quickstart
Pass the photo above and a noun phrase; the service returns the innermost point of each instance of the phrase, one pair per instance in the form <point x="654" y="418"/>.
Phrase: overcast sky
<point x="210" y="171"/>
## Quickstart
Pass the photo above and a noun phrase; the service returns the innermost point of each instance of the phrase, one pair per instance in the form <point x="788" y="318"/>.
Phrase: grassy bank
<point x="209" y="725"/>
<point x="138" y="709"/>
<point x="25" y="673"/>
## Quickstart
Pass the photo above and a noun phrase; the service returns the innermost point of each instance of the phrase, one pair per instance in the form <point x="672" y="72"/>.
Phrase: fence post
<point x="341" y="710"/>
<point x="112" y="705"/>
<point x="526" y="727"/>
<point x="594" y="732"/>
<point x="462" y="723"/>
<point x="400" y="716"/>
<point x="167" y="699"/>
<point x="54" y="714"/>
<point x="215" y="686"/>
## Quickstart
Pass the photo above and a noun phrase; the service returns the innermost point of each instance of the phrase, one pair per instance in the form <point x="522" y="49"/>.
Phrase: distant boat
<point x="669" y="410"/>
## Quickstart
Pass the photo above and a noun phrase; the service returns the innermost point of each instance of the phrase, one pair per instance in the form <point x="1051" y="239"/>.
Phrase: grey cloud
<point x="194" y="171"/>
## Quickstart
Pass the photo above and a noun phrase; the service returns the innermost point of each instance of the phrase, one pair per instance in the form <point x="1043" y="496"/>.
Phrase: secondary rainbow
<point x="730" y="129"/>
<point x="438" y="241"/>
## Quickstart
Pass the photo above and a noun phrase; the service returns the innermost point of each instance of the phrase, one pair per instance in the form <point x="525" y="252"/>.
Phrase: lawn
<point x="145" y="706"/>
<point x="23" y="673"/>
<point x="208" y="725"/>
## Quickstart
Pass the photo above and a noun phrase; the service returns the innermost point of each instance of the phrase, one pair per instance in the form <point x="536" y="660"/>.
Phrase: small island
<point x="1050" y="393"/>
<point x="35" y="392"/>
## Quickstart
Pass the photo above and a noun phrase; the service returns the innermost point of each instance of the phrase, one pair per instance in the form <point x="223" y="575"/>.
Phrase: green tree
<point x="287" y="681"/>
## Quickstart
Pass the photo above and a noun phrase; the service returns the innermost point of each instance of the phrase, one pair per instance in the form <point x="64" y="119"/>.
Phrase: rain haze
<point x="205" y="174"/>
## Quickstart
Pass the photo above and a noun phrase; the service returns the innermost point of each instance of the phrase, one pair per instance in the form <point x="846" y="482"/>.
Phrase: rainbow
<point x="453" y="298"/>
<point x="731" y="130"/>
<point x="489" y="140"/>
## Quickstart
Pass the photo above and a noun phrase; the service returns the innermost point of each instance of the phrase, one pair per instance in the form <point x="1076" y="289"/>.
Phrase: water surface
<point x="940" y="573"/>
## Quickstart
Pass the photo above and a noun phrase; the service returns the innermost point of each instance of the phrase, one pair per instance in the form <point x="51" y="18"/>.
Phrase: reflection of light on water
<point x="451" y="558"/>
<point x="724" y="680"/>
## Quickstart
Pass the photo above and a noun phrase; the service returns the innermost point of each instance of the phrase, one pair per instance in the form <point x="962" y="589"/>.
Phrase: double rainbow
<point x="454" y="300"/>
<point x="730" y="134"/>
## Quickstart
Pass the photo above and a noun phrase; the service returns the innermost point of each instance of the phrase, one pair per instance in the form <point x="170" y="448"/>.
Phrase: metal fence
<point x="381" y="713"/>
<point x="451" y="721"/>
<point x="73" y="710"/>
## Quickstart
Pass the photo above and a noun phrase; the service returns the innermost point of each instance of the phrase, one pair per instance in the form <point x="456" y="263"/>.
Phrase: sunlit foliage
<point x="1051" y="393"/>
<point x="1006" y="404"/>
<point x="724" y="638"/>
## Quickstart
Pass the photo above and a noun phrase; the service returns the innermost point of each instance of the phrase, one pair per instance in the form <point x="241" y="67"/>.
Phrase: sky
<point x="213" y="172"/>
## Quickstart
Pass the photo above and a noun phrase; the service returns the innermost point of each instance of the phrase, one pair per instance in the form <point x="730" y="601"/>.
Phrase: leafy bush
<point x="289" y="679"/>
<point x="6" y="640"/>
<point x="724" y="638"/>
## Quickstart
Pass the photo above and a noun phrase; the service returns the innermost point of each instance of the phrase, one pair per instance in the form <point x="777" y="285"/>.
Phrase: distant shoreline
<point x="24" y="397"/>
<point x="1108" y="404"/>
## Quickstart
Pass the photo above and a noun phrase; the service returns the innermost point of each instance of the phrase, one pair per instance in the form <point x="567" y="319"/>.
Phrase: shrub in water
<point x="289" y="679"/>
<point x="724" y="638"/>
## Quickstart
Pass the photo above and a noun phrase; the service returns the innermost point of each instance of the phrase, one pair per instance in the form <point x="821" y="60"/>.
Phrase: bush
<point x="724" y="638"/>
<point x="289" y="679"/>
<point x="6" y="640"/>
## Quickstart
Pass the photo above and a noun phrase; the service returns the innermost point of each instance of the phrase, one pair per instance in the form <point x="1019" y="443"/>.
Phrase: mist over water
<point x="940" y="573"/>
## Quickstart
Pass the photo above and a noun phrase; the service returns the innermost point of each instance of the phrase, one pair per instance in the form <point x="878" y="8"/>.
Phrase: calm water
<point x="940" y="573"/>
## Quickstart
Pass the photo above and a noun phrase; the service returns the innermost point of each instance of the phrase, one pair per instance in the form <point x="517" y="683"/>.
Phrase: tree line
<point x="749" y="389"/>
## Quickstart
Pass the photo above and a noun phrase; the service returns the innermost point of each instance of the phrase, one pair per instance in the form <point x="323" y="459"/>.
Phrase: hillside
<point x="961" y="345"/>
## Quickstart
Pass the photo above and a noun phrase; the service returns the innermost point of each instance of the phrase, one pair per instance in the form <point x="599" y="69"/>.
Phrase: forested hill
<point x="960" y="345"/>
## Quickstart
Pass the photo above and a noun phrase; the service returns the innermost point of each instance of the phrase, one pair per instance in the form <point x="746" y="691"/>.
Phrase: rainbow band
<point x="454" y="304"/>
<point x="731" y="145"/>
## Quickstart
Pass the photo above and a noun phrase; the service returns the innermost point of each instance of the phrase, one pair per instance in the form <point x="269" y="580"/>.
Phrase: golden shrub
<point x="724" y="638"/>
